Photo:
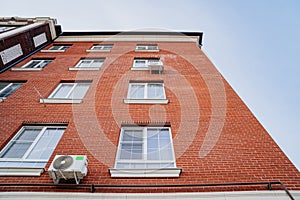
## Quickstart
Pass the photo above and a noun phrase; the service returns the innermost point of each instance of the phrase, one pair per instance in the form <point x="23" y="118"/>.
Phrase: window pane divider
<point x="9" y="85"/>
<point x="34" y="143"/>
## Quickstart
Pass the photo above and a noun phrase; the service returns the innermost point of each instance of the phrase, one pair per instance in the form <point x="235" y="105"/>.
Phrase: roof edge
<point x="85" y="33"/>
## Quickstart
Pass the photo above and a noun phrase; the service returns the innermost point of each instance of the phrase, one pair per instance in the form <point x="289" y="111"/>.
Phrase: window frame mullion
<point x="34" y="143"/>
<point x="10" y="84"/>
<point x="71" y="90"/>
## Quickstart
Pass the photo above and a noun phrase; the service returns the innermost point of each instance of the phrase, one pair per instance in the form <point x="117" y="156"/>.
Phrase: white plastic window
<point x="7" y="88"/>
<point x="59" y="47"/>
<point x="31" y="147"/>
<point x="70" y="91"/>
<point x="90" y="63"/>
<point x="102" y="47"/>
<point x="144" y="148"/>
<point x="146" y="91"/>
<point x="144" y="63"/>
<point x="36" y="64"/>
<point x="143" y="47"/>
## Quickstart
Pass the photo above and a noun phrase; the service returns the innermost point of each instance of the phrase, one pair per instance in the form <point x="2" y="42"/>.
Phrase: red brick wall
<point x="216" y="137"/>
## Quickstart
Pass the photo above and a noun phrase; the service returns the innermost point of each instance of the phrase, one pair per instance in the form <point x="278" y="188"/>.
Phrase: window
<point x="6" y="28"/>
<point x="145" y="150"/>
<point x="146" y="48"/>
<point x="30" y="148"/>
<point x="144" y="63"/>
<point x="36" y="64"/>
<point x="58" y="48"/>
<point x="68" y="93"/>
<point x="88" y="64"/>
<point x="146" y="92"/>
<point x="101" y="48"/>
<point x="7" y="88"/>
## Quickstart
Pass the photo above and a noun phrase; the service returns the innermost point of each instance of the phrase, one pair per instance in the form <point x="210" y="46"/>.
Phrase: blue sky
<point x="254" y="44"/>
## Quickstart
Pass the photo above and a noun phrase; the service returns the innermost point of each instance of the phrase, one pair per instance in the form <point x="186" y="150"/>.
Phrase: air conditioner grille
<point x="63" y="162"/>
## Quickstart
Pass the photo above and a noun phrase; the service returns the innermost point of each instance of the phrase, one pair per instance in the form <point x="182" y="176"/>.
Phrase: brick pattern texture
<point x="216" y="137"/>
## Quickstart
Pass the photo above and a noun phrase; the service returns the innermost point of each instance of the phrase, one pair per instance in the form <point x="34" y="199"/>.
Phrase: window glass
<point x="90" y="63"/>
<point x="7" y="90"/>
<point x="145" y="148"/>
<point x="155" y="91"/>
<point x="59" y="47"/>
<point x="70" y="90"/>
<point x="79" y="91"/>
<point x="137" y="91"/>
<point x="146" y="91"/>
<point x="37" y="64"/>
<point x="63" y="91"/>
<point x="31" y="147"/>
<point x="46" y="144"/>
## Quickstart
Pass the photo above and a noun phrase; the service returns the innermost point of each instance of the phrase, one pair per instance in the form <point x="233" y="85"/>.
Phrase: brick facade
<point x="216" y="137"/>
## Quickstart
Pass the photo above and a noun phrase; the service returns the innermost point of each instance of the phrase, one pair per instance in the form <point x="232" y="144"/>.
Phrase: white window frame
<point x="147" y="61"/>
<point x="146" y="48"/>
<point x="90" y="67"/>
<point x="100" y="48"/>
<point x="8" y="85"/>
<point x="146" y="100"/>
<point x="52" y="99"/>
<point x="60" y="49"/>
<point x="23" y="68"/>
<point x="144" y="172"/>
<point x="25" y="171"/>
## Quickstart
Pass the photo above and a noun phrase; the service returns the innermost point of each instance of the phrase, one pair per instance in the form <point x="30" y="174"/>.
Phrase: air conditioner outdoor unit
<point x="68" y="167"/>
<point x="156" y="67"/>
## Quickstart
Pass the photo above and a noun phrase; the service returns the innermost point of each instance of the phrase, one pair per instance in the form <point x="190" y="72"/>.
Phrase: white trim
<point x="128" y="38"/>
<point x="146" y="101"/>
<point x="104" y="50"/>
<point x="20" y="30"/>
<point x="14" y="23"/>
<point x="236" y="195"/>
<point x="59" y="100"/>
<point x="146" y="50"/>
<point x="144" y="173"/>
<point x="20" y="172"/>
<point x="84" y="68"/>
<point x="52" y="51"/>
<point x="139" y="68"/>
<point x="25" y="69"/>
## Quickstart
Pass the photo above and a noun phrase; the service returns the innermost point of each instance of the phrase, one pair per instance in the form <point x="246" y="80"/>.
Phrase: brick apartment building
<point x="148" y="110"/>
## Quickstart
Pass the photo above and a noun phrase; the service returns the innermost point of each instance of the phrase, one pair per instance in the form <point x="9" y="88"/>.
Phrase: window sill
<point x="146" y="101"/>
<point x="91" y="50"/>
<point x="157" y="50"/>
<point x="52" y="51"/>
<point x="60" y="100"/>
<point x="26" y="69"/>
<point x="83" y="68"/>
<point x="145" y="173"/>
<point x="2" y="99"/>
<point x="139" y="68"/>
<point x="21" y="172"/>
